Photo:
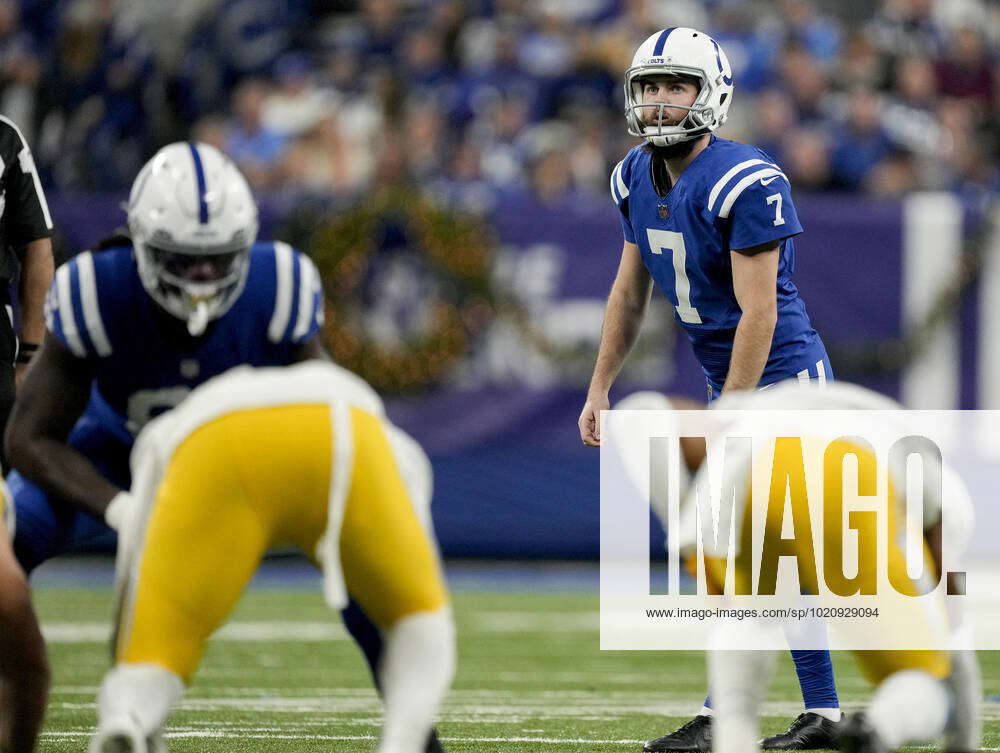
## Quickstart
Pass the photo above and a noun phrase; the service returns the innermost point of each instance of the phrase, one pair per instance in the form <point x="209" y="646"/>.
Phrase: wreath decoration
<point x="457" y="249"/>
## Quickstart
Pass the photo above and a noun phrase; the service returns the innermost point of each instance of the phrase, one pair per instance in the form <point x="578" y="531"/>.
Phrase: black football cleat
<point x="809" y="731"/>
<point x="433" y="743"/>
<point x="693" y="737"/>
<point x="856" y="735"/>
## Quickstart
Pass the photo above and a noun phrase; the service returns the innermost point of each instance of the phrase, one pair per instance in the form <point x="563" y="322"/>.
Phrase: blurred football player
<point x="24" y="672"/>
<point x="133" y="327"/>
<point x="259" y="458"/>
<point x="921" y="694"/>
<point x="711" y="222"/>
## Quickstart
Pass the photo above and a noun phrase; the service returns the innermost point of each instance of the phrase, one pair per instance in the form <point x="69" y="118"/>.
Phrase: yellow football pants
<point x="256" y="479"/>
<point x="876" y="665"/>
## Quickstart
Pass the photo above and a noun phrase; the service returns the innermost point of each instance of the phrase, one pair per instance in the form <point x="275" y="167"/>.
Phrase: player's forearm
<point x="62" y="472"/>
<point x="622" y="323"/>
<point x="751" y="346"/>
<point x="24" y="674"/>
<point x="36" y="276"/>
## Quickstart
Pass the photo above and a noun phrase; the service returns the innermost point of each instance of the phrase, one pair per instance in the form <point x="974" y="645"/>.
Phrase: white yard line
<point x="486" y="622"/>
<point x="255" y="735"/>
<point x="299" y="632"/>
<point x="474" y="706"/>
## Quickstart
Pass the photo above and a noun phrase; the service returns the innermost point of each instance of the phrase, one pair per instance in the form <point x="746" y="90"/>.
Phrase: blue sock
<point x="815" y="671"/>
<point x="366" y="635"/>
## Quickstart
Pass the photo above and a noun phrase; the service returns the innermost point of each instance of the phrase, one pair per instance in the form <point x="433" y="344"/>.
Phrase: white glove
<point x="117" y="510"/>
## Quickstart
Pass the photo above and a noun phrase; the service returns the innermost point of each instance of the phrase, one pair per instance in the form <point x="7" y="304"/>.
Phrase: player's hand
<point x="118" y="510"/>
<point x="590" y="419"/>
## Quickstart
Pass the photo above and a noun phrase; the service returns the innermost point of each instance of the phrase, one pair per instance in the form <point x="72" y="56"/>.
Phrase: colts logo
<point x="663" y="210"/>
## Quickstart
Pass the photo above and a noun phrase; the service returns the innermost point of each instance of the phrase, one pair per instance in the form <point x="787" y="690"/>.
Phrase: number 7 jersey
<point x="731" y="196"/>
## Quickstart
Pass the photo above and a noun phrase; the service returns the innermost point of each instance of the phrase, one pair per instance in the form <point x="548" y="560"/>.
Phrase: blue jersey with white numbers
<point x="99" y="310"/>
<point x="731" y="196"/>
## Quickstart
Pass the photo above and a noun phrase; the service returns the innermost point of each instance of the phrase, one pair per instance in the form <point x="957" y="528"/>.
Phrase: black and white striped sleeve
<point x="25" y="212"/>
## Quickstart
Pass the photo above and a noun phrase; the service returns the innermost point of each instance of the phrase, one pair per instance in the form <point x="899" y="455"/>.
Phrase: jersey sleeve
<point x="619" y="192"/>
<point x="26" y="212"/>
<point x="298" y="300"/>
<point x="755" y="199"/>
<point x="73" y="310"/>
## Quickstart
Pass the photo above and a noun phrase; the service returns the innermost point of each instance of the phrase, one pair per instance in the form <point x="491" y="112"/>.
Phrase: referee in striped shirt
<point x="26" y="264"/>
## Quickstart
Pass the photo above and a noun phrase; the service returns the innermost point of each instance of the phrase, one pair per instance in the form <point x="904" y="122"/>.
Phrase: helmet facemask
<point x="196" y="286"/>
<point x="697" y="122"/>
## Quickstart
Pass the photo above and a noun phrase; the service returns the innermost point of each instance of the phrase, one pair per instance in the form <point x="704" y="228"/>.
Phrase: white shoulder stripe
<point x="283" y="299"/>
<point x="28" y="166"/>
<point x="308" y="278"/>
<point x="717" y="188"/>
<point x="745" y="183"/>
<point x="91" y="309"/>
<point x="622" y="188"/>
<point x="66" y="317"/>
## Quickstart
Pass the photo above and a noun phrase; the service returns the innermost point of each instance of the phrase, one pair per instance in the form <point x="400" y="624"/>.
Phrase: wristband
<point x="25" y="352"/>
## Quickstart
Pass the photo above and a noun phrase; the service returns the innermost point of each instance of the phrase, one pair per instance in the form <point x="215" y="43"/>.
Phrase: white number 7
<point x="668" y="240"/>
<point x="775" y="198"/>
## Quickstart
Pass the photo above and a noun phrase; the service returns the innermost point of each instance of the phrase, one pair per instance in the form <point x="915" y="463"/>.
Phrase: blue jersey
<point x="731" y="196"/>
<point x="98" y="309"/>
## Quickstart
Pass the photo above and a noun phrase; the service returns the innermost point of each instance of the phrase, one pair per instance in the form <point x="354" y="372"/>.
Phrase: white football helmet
<point x="193" y="220"/>
<point x="683" y="52"/>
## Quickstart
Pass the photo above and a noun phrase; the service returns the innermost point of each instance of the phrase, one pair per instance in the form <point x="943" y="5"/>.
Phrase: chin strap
<point x="198" y="320"/>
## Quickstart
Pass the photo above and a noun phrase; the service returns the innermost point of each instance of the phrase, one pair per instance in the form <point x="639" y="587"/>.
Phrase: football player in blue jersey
<point x="133" y="327"/>
<point x="712" y="223"/>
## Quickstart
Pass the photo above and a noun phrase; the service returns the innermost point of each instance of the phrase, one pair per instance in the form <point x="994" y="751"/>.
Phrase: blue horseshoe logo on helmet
<point x="727" y="80"/>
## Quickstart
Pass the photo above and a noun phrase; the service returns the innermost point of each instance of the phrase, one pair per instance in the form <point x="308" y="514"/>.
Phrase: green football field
<point x="284" y="676"/>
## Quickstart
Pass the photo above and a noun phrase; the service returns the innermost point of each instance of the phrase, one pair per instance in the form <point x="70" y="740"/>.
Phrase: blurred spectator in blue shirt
<point x="860" y="142"/>
<point x="426" y="68"/>
<point x="256" y="148"/>
<point x="807" y="160"/>
<point x="492" y="73"/>
<point x="297" y="102"/>
<point x="587" y="83"/>
<point x="20" y="69"/>
<point x="807" y="83"/>
<point x="752" y="52"/>
<point x="774" y="119"/>
<point x="381" y="29"/>
<point x="546" y="49"/>
<point x="819" y="36"/>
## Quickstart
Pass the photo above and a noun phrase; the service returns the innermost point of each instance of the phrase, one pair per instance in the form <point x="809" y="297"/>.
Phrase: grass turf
<point x="285" y="677"/>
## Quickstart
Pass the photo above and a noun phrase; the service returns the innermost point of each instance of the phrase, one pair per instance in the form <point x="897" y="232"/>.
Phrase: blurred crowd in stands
<point x="474" y="98"/>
